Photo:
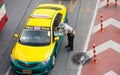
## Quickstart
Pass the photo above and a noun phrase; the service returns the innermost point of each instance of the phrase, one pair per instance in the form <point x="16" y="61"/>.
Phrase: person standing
<point x="70" y="33"/>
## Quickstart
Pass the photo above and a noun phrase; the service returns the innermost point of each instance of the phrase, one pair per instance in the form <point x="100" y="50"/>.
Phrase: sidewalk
<point x="107" y="42"/>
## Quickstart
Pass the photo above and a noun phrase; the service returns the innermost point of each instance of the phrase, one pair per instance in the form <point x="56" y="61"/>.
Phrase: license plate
<point x="27" y="71"/>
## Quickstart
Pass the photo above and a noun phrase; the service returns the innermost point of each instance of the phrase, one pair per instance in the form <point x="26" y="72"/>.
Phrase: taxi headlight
<point x="12" y="58"/>
<point x="46" y="61"/>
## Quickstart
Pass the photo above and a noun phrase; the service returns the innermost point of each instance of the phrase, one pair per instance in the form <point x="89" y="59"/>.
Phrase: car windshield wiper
<point x="26" y="43"/>
<point x="35" y="44"/>
<point x="39" y="44"/>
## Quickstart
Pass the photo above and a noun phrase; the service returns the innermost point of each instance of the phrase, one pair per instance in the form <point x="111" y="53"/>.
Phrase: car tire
<point x="53" y="60"/>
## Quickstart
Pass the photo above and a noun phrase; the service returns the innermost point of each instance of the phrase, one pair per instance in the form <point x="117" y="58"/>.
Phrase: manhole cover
<point x="81" y="59"/>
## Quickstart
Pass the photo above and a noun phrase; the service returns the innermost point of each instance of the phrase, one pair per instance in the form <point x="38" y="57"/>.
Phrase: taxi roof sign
<point x="40" y="16"/>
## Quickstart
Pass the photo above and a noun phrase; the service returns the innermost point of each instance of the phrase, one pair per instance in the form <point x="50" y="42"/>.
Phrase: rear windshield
<point x="46" y="7"/>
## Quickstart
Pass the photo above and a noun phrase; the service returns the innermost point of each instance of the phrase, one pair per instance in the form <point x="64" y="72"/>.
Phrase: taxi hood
<point x="31" y="53"/>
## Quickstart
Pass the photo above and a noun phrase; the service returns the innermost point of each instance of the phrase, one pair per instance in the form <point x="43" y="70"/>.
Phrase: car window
<point x="35" y="37"/>
<point x="56" y="24"/>
<point x="50" y="7"/>
<point x="57" y="20"/>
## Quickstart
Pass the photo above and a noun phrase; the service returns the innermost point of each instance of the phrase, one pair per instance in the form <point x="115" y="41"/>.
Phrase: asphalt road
<point x="80" y="15"/>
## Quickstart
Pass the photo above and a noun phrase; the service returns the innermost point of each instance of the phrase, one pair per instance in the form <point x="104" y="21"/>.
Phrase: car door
<point x="55" y="24"/>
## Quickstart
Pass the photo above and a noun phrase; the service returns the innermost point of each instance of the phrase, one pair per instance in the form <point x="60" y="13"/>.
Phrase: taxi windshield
<point x="35" y="37"/>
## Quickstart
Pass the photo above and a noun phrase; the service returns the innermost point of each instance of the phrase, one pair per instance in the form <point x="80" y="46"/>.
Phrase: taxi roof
<point x="41" y="17"/>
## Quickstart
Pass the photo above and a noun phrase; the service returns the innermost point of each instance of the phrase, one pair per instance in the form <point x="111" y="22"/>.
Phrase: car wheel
<point x="53" y="60"/>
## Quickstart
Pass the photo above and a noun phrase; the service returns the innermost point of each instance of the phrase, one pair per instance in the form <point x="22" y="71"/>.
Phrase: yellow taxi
<point x="37" y="46"/>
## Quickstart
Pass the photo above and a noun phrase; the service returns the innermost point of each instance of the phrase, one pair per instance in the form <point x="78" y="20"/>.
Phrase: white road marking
<point x="110" y="73"/>
<point x="106" y="23"/>
<point x="103" y="3"/>
<point x="89" y="34"/>
<point x="101" y="48"/>
<point x="8" y="71"/>
<point x="108" y="44"/>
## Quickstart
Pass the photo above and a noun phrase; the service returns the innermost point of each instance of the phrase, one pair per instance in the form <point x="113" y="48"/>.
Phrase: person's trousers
<point x="70" y="40"/>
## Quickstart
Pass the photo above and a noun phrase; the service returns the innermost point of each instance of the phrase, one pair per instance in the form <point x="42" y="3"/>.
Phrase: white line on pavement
<point x="103" y="3"/>
<point x="104" y="46"/>
<point x="111" y="73"/>
<point x="89" y="34"/>
<point x="8" y="71"/>
<point x="110" y="21"/>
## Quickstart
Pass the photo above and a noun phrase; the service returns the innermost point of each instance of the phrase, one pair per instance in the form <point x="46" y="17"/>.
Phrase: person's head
<point x="62" y="25"/>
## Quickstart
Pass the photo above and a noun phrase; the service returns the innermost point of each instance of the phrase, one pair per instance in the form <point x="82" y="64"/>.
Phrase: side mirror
<point x="56" y="38"/>
<point x="16" y="35"/>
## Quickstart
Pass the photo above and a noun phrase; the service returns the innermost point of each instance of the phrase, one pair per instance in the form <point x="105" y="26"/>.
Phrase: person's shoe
<point x="67" y="46"/>
<point x="70" y="50"/>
